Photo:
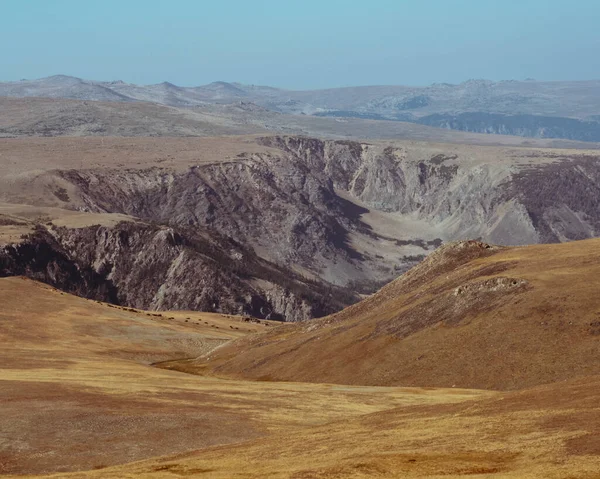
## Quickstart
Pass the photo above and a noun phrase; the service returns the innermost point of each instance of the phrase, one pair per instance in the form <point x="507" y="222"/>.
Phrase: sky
<point x="305" y="44"/>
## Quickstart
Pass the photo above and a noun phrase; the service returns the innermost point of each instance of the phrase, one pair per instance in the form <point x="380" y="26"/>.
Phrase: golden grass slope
<point x="547" y="432"/>
<point x="77" y="391"/>
<point x="79" y="398"/>
<point x="469" y="316"/>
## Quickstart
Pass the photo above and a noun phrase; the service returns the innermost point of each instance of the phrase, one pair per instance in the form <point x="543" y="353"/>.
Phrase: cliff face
<point x="291" y="207"/>
<point x="528" y="196"/>
<point x="274" y="233"/>
<point x="42" y="258"/>
<point x="281" y="208"/>
<point x="159" y="268"/>
<point x="461" y="197"/>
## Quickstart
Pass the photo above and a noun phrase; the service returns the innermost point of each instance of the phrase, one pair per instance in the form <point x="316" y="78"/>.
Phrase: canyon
<point x="278" y="227"/>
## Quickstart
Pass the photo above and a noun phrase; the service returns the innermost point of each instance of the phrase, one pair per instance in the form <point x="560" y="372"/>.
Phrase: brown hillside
<point x="77" y="391"/>
<point x="548" y="432"/>
<point x="79" y="400"/>
<point x="471" y="316"/>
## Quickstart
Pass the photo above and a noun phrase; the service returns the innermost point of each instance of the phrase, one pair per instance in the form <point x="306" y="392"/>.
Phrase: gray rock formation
<point x="159" y="268"/>
<point x="296" y="230"/>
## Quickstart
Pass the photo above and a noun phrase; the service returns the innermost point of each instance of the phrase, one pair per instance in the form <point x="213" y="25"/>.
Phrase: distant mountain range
<point x="569" y="110"/>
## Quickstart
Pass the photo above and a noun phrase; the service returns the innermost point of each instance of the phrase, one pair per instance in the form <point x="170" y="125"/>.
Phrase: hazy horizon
<point x="300" y="45"/>
<point x="233" y="82"/>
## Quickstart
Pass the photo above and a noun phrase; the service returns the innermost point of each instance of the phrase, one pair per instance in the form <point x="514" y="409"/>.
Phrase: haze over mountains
<point x="568" y="110"/>
<point x="332" y="219"/>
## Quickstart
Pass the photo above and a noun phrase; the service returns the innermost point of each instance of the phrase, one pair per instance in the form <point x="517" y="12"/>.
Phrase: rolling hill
<point x="81" y="398"/>
<point x="574" y="99"/>
<point x="55" y="117"/>
<point x="78" y="390"/>
<point x="471" y="316"/>
<point x="545" y="432"/>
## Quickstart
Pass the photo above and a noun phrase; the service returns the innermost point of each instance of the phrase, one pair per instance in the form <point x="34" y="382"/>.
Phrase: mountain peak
<point x="60" y="79"/>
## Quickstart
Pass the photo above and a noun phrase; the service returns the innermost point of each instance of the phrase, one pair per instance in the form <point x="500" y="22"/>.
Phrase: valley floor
<point x="81" y="399"/>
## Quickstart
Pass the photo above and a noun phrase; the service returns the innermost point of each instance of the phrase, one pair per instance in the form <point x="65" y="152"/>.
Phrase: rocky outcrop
<point x="506" y="203"/>
<point x="301" y="204"/>
<point x="299" y="207"/>
<point x="466" y="199"/>
<point x="43" y="258"/>
<point x="284" y="209"/>
<point x="272" y="230"/>
<point x="562" y="198"/>
<point x="160" y="268"/>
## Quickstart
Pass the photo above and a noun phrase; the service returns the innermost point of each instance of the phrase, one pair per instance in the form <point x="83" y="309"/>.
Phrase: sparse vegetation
<point x="424" y="431"/>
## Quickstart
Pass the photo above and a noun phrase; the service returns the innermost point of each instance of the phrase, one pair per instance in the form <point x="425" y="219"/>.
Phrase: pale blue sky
<point x="300" y="44"/>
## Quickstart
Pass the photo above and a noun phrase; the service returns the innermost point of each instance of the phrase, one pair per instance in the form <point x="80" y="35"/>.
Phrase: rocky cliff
<point x="160" y="268"/>
<point x="295" y="229"/>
